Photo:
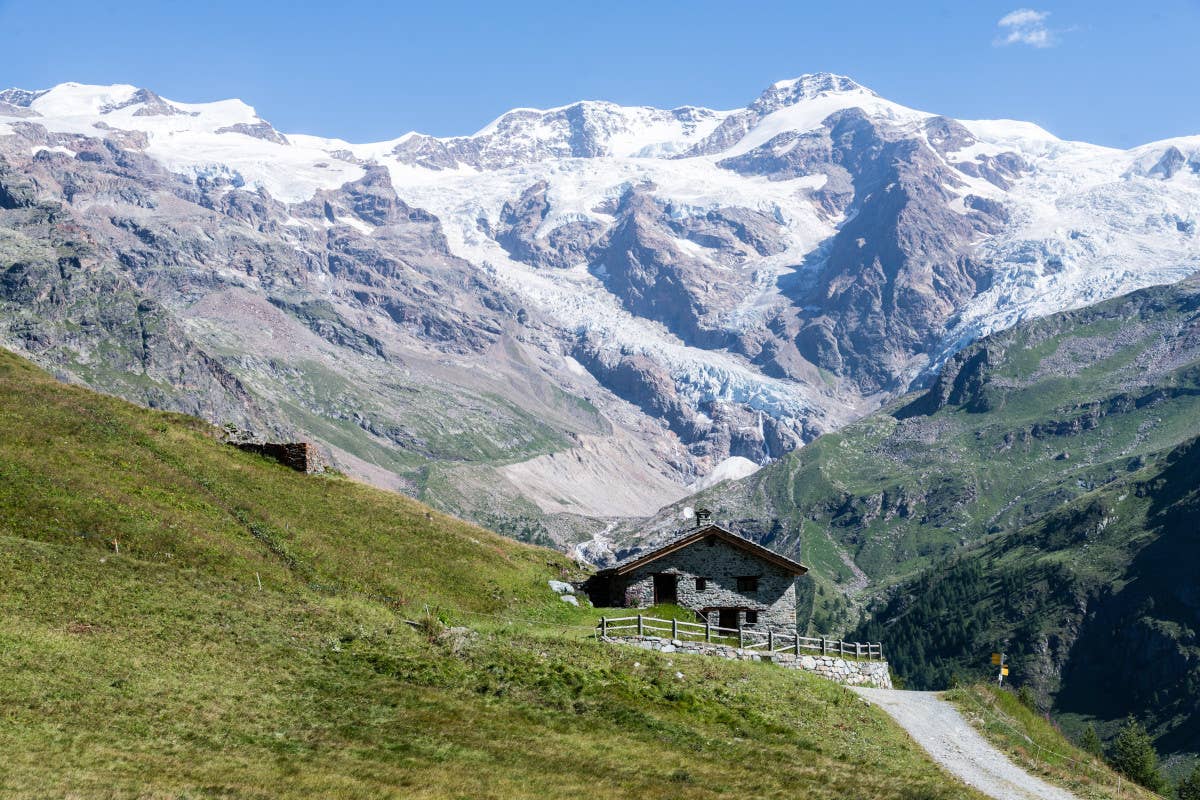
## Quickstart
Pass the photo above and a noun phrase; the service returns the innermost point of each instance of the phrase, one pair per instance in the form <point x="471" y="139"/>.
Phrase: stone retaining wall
<point x="849" y="672"/>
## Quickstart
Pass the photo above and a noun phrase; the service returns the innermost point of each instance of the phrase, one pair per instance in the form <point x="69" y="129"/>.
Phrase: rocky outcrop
<point x="644" y="261"/>
<point x="899" y="267"/>
<point x="256" y="130"/>
<point x="827" y="247"/>
<point x="520" y="232"/>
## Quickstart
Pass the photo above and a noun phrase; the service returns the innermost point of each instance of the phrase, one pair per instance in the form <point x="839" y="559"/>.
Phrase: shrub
<point x="1027" y="698"/>
<point x="1091" y="742"/>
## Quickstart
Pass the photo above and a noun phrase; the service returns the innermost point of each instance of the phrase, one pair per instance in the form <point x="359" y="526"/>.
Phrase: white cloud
<point x="1025" y="26"/>
<point x="1023" y="16"/>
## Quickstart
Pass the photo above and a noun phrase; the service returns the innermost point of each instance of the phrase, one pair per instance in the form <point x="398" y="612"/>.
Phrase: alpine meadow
<point x="792" y="441"/>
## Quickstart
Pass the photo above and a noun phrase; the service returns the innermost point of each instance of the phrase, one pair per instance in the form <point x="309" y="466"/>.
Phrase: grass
<point x="1038" y="747"/>
<point x="179" y="619"/>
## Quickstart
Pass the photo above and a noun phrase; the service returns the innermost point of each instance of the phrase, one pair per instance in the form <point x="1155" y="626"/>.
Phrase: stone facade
<point x="730" y="581"/>
<point x="719" y="565"/>
<point x="844" y="671"/>
<point x="300" y="456"/>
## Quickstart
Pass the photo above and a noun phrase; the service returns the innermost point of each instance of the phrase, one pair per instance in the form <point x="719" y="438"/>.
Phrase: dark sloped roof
<point x="795" y="567"/>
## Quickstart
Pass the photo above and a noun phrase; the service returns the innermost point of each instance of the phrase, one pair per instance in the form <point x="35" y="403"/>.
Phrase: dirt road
<point x="952" y="742"/>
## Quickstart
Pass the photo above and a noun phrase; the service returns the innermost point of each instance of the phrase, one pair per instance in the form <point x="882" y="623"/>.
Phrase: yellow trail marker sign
<point x="1004" y="671"/>
<point x="996" y="659"/>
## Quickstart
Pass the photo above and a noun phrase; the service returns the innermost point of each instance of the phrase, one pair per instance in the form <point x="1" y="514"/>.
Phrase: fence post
<point x="740" y="641"/>
<point x="824" y="647"/>
<point x="770" y="641"/>
<point x="603" y="626"/>
<point x="639" y="624"/>
<point x="674" y="629"/>
<point x="858" y="649"/>
<point x="797" y="643"/>
<point x="707" y="629"/>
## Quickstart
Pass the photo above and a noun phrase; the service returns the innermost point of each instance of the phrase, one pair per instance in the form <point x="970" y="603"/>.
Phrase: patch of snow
<point x="808" y="115"/>
<point x="731" y="469"/>
<point x="1086" y="222"/>
<point x="356" y="223"/>
<point x="55" y="149"/>
<point x="574" y="367"/>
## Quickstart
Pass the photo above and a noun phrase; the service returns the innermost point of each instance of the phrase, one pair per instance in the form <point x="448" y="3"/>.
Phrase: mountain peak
<point x="21" y="98"/>
<point x="807" y="87"/>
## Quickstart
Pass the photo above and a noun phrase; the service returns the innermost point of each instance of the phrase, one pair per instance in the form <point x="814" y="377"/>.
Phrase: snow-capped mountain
<point x="580" y="310"/>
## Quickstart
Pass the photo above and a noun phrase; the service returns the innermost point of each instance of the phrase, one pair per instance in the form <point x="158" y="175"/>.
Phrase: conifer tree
<point x="1189" y="787"/>
<point x="1091" y="742"/>
<point x="1133" y="755"/>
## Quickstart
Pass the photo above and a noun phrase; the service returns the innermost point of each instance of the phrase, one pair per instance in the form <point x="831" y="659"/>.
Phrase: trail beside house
<point x="938" y="727"/>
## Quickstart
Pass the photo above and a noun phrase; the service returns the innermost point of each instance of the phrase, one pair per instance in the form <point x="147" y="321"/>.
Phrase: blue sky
<point x="1114" y="73"/>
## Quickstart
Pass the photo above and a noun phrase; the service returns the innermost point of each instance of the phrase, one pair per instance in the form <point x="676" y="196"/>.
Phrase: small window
<point x="747" y="583"/>
<point x="751" y="617"/>
<point x="701" y="584"/>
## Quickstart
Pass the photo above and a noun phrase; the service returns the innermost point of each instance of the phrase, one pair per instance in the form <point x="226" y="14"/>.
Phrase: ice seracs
<point x="741" y="212"/>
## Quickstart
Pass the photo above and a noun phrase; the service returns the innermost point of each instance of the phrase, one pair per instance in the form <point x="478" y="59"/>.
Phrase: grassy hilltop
<point x="142" y="658"/>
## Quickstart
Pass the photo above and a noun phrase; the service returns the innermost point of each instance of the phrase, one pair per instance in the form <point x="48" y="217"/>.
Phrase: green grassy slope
<point x="142" y="658"/>
<point x="1096" y="604"/>
<point x="1038" y="746"/>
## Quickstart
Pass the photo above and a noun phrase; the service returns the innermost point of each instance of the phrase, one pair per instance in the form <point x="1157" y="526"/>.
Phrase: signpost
<point x="1000" y="660"/>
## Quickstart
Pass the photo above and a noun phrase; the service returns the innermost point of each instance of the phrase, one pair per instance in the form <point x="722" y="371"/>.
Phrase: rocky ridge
<point x="672" y="288"/>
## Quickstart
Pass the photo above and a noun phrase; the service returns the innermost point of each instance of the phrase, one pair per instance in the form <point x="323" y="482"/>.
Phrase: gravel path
<point x="940" y="729"/>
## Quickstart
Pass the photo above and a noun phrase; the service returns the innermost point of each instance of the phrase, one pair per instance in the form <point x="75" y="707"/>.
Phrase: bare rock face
<point x="644" y="259"/>
<point x="257" y="130"/>
<point x="901" y="264"/>
<point x="1172" y="162"/>
<point x="201" y="297"/>
<point x="150" y="105"/>
<point x="65" y="302"/>
<point x="520" y="232"/>
<point x="11" y="110"/>
<point x="671" y="287"/>
<point x="20" y="98"/>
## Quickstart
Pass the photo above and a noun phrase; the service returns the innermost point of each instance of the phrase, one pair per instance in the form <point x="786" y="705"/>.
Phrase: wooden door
<point x="665" y="589"/>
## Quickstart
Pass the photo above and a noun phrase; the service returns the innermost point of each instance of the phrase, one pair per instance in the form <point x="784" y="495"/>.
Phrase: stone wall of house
<point x="841" y="670"/>
<point x="300" y="456"/>
<point x="720" y="564"/>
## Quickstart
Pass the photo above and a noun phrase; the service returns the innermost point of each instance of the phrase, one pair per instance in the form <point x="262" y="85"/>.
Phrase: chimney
<point x="703" y="517"/>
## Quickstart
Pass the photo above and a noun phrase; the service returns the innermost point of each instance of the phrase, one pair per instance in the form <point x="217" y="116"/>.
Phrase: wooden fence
<point x="768" y="641"/>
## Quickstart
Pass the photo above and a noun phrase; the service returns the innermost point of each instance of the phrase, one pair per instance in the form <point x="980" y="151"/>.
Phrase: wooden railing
<point x="768" y="641"/>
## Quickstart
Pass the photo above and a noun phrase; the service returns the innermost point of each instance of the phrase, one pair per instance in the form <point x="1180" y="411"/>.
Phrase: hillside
<point x="1096" y="605"/>
<point x="1014" y="426"/>
<point x="143" y="657"/>
<point x="1037" y="745"/>
<point x="1037" y="498"/>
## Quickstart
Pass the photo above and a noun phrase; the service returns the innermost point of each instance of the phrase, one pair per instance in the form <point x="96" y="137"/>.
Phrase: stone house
<point x="728" y="580"/>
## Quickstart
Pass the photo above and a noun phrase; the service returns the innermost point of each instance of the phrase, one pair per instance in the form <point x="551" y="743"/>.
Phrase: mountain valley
<point x="952" y="365"/>
<point x="582" y="297"/>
